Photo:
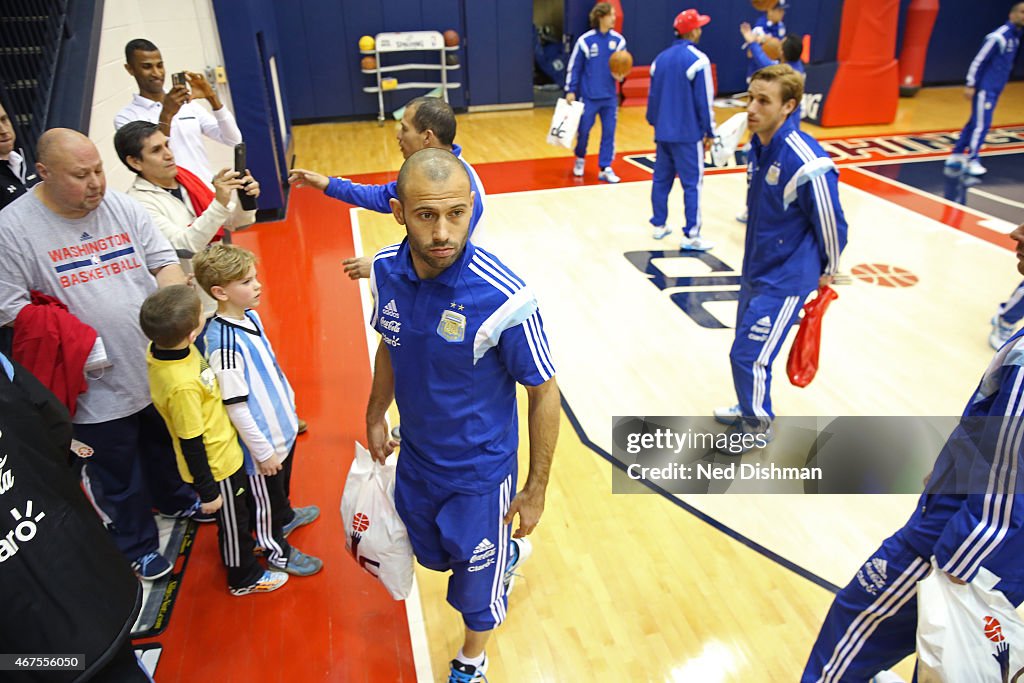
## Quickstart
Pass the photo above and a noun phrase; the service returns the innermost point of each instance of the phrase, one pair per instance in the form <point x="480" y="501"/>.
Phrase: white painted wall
<point x="186" y="33"/>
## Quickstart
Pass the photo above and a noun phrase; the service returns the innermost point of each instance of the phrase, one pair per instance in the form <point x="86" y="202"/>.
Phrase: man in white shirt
<point x="179" y="116"/>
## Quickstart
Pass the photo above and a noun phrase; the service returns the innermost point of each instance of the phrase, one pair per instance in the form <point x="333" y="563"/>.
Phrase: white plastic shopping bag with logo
<point x="727" y="139"/>
<point x="374" y="534"/>
<point x="564" y="123"/>
<point x="969" y="633"/>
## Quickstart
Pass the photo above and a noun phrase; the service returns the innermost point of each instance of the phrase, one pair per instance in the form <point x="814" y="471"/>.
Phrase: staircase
<point x="31" y="37"/>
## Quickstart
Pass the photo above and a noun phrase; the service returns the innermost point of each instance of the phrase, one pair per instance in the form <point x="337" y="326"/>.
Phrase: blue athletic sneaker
<point x="460" y="672"/>
<point x="303" y="516"/>
<point x="151" y="566"/>
<point x="520" y="550"/>
<point x="194" y="512"/>
<point x="301" y="564"/>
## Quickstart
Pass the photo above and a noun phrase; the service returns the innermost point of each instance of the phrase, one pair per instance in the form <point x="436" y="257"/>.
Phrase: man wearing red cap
<point x="679" y="108"/>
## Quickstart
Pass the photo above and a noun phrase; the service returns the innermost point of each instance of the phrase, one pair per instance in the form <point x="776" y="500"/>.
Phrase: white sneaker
<point x="660" y="231"/>
<point x="956" y="161"/>
<point x="728" y="416"/>
<point x="577" y="168"/>
<point x="975" y="168"/>
<point x="695" y="244"/>
<point x="608" y="175"/>
<point x="1001" y="332"/>
<point x="742" y="216"/>
<point x="523" y="550"/>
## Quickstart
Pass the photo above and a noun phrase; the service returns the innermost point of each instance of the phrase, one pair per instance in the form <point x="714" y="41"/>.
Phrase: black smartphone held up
<point x="248" y="202"/>
<point x="179" y="79"/>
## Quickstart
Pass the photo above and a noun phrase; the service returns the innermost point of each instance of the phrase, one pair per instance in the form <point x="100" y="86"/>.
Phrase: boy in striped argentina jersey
<point x="458" y="331"/>
<point x="259" y="401"/>
<point x="970" y="515"/>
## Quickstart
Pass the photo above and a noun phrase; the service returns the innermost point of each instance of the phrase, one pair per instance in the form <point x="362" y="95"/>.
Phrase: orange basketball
<point x="763" y="5"/>
<point x="620" y="63"/>
<point x="368" y="63"/>
<point x="451" y="38"/>
<point x="772" y="47"/>
<point x="993" y="630"/>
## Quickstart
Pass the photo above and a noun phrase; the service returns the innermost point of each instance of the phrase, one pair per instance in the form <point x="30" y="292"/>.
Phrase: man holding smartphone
<point x="183" y="120"/>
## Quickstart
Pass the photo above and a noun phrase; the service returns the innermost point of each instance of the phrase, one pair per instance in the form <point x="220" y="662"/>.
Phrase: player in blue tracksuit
<point x="589" y="79"/>
<point x="427" y="122"/>
<point x="795" y="234"/>
<point x="1006" y="318"/>
<point x="458" y="331"/>
<point x="679" y="107"/>
<point x="768" y="25"/>
<point x="971" y="515"/>
<point x="986" y="79"/>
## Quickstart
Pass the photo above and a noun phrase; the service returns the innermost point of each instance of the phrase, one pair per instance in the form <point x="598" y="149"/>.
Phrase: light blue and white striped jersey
<point x="458" y="345"/>
<point x="247" y="370"/>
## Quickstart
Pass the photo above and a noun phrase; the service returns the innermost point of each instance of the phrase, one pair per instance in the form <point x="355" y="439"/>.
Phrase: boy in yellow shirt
<point x="185" y="393"/>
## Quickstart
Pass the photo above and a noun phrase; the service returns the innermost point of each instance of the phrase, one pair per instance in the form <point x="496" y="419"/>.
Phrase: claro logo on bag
<point x="994" y="632"/>
<point x="23" y="532"/>
<point x="360" y="523"/>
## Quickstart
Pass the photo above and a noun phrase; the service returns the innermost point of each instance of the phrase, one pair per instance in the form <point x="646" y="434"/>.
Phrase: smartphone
<point x="179" y="79"/>
<point x="248" y="202"/>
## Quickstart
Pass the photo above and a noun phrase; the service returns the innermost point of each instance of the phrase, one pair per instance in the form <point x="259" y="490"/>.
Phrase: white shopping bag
<point x="727" y="139"/>
<point x="564" y="123"/>
<point x="967" y="634"/>
<point x="374" y="534"/>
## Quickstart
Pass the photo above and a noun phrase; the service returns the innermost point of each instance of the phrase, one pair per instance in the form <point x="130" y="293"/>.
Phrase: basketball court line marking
<point x="996" y="198"/>
<point x="413" y="606"/>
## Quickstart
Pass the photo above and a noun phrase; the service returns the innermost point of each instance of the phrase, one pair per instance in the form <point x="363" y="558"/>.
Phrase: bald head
<point x="434" y="165"/>
<point x="72" y="172"/>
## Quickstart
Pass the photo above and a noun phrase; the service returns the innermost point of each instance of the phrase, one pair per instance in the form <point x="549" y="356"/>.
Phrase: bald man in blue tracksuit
<point x="986" y="79"/>
<point x="589" y="79"/>
<point x="679" y="108"/>
<point x="971" y="515"/>
<point x="795" y="234"/>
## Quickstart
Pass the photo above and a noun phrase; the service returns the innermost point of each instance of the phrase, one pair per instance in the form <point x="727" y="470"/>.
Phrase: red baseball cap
<point x="689" y="19"/>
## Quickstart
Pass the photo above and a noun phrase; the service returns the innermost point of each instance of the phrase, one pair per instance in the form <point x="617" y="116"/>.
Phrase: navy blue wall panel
<point x="481" y="60"/>
<point x="294" y="64"/>
<point x="959" y="31"/>
<point x="245" y="25"/>
<point x="515" y="56"/>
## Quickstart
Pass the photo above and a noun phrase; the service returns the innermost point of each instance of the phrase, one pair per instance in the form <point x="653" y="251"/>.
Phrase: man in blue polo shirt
<point x="427" y="122"/>
<point x="458" y="331"/>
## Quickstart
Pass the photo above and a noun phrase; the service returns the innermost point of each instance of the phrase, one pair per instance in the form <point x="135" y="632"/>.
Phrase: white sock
<point x="472" y="661"/>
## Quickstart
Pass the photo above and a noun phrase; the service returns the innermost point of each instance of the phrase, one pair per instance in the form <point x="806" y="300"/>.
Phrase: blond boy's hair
<point x="221" y="264"/>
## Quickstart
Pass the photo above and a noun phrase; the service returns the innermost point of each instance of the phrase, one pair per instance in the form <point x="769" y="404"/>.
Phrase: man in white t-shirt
<point x="179" y="116"/>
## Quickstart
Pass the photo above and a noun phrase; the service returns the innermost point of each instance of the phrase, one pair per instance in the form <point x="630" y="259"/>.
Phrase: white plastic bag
<point x="374" y="534"/>
<point x="727" y="139"/>
<point x="564" y="123"/>
<point x="967" y="634"/>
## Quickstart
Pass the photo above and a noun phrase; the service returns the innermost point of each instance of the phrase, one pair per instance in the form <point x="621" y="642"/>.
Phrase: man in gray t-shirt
<point x="101" y="255"/>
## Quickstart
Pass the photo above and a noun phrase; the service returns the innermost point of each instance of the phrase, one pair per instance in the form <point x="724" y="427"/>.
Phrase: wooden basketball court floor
<point x="621" y="587"/>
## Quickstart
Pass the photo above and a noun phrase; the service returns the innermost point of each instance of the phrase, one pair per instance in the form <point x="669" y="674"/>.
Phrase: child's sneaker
<point x="660" y="232"/>
<point x="608" y="175"/>
<point x="151" y="566"/>
<point x="460" y="672"/>
<point x="194" y="512"/>
<point x="728" y="416"/>
<point x="577" y="168"/>
<point x="695" y="244"/>
<point x="303" y="516"/>
<point x="975" y="168"/>
<point x="742" y="215"/>
<point x="301" y="564"/>
<point x="270" y="581"/>
<point x="520" y="550"/>
<point x="1001" y="332"/>
<point x="956" y="161"/>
